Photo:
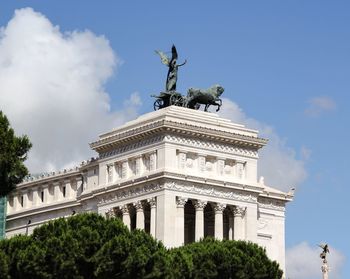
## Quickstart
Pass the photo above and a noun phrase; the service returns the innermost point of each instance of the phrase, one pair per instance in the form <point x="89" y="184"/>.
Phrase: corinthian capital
<point x="110" y="213"/>
<point x="200" y="204"/>
<point x="180" y="201"/>
<point x="125" y="209"/>
<point x="219" y="207"/>
<point x="138" y="205"/>
<point x="152" y="202"/>
<point x="239" y="211"/>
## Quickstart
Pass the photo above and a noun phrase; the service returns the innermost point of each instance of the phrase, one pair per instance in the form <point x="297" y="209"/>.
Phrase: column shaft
<point x="199" y="206"/>
<point x="126" y="216"/>
<point x="153" y="204"/>
<point x="239" y="231"/>
<point x="219" y="222"/>
<point x="140" y="216"/>
<point x="180" y="221"/>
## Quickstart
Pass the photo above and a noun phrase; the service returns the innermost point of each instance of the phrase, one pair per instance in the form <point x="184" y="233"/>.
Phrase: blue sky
<point x="285" y="64"/>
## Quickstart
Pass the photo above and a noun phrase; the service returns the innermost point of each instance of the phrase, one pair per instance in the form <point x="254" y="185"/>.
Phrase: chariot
<point x="165" y="99"/>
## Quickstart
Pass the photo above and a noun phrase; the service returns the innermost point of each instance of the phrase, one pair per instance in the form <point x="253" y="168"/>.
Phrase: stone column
<point x="110" y="213"/>
<point x="125" y="169"/>
<point x="25" y="199"/>
<point x="240" y="169"/>
<point x="153" y="221"/>
<point x="220" y="164"/>
<point x="126" y="216"/>
<point x="57" y="195"/>
<point x="182" y="159"/>
<point x="140" y="215"/>
<point x="238" y="213"/>
<point x="46" y="194"/>
<point x="199" y="206"/>
<point x="69" y="190"/>
<point x="201" y="163"/>
<point x="219" y="221"/>
<point x="153" y="161"/>
<point x="180" y="220"/>
<point x="77" y="183"/>
<point x="16" y="202"/>
<point x="139" y="165"/>
<point x="36" y="196"/>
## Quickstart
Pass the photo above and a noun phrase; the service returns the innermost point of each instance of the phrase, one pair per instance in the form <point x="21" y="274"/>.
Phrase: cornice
<point x="166" y="126"/>
<point x="48" y="178"/>
<point x="271" y="203"/>
<point x="42" y="209"/>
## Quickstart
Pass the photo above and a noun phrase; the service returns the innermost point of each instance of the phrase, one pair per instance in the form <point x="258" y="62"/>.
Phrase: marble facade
<point x="179" y="174"/>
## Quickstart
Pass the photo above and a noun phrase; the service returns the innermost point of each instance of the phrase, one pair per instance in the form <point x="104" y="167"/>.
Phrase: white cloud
<point x="319" y="105"/>
<point x="52" y="88"/>
<point x="304" y="262"/>
<point x="278" y="163"/>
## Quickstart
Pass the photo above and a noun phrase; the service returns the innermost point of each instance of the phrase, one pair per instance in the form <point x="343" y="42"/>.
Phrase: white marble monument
<point x="179" y="174"/>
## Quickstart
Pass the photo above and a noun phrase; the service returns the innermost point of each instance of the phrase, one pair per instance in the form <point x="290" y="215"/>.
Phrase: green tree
<point x="4" y="270"/>
<point x="90" y="246"/>
<point x="230" y="259"/>
<point x="13" y="153"/>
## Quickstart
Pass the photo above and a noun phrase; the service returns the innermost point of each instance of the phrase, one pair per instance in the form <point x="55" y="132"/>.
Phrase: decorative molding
<point x="124" y="209"/>
<point x="138" y="205"/>
<point x="262" y="223"/>
<point x="152" y="202"/>
<point x="160" y="125"/>
<point x="239" y="211"/>
<point x="180" y="201"/>
<point x="110" y="213"/>
<point x="207" y="144"/>
<point x="213" y="191"/>
<point x="130" y="192"/>
<point x="219" y="207"/>
<point x="271" y="204"/>
<point x="199" y="205"/>
<point x="133" y="146"/>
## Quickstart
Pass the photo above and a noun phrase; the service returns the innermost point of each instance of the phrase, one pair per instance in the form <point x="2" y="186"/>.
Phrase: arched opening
<point x="189" y="222"/>
<point x="209" y="221"/>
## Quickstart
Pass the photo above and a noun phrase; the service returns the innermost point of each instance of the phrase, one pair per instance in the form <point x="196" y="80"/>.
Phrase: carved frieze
<point x="206" y="144"/>
<point x="208" y="190"/>
<point x="130" y="192"/>
<point x="133" y="146"/>
<point x="271" y="204"/>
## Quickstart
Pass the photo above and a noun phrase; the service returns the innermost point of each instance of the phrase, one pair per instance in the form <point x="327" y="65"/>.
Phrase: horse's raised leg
<point x="206" y="107"/>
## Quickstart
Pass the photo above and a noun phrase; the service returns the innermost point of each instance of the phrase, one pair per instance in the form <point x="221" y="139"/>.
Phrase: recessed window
<point x="64" y="191"/>
<point x="22" y="201"/>
<point x="42" y="196"/>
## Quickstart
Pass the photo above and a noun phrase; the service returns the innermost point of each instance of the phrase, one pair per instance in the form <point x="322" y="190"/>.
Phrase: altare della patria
<point x="180" y="173"/>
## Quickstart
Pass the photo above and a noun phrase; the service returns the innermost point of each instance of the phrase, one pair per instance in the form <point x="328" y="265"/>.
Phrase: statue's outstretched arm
<point x="182" y="63"/>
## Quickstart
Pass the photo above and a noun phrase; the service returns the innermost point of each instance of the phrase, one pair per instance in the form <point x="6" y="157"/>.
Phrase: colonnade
<point x="194" y="219"/>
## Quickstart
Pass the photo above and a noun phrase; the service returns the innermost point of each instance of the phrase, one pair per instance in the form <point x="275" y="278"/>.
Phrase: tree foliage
<point x="13" y="153"/>
<point x="90" y="246"/>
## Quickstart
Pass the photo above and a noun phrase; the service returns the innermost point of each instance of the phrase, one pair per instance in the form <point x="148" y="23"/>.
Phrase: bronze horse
<point x="206" y="97"/>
